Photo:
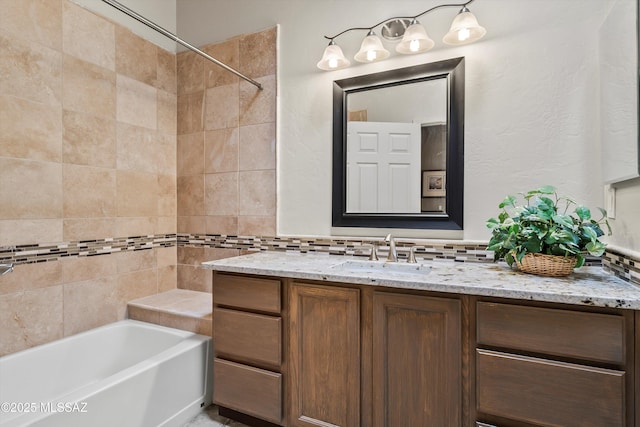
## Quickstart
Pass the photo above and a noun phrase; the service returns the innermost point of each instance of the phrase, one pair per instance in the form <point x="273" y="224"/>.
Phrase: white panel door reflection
<point x="383" y="167"/>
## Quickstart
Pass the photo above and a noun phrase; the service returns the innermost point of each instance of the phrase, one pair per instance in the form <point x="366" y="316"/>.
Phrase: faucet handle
<point x="412" y="254"/>
<point x="374" y="255"/>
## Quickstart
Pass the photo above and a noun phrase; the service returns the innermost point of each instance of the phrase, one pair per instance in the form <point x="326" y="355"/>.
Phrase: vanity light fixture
<point x="464" y="29"/>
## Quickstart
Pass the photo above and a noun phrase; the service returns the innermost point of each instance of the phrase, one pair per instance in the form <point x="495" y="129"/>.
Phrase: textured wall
<point x="531" y="108"/>
<point x="88" y="137"/>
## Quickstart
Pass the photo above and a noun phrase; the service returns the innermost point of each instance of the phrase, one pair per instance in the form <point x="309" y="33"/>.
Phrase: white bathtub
<point x="127" y="373"/>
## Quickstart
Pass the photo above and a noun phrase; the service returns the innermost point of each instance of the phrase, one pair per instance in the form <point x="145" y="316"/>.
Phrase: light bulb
<point x="464" y="29"/>
<point x="414" y="45"/>
<point x="463" y="34"/>
<point x="371" y="55"/>
<point x="333" y="63"/>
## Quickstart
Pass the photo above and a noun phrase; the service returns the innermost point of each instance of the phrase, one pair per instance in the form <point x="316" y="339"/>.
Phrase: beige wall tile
<point x="31" y="276"/>
<point x="257" y="193"/>
<point x="190" y="195"/>
<point x="258" y="53"/>
<point x="194" y="278"/>
<point x="167" y="112"/>
<point x="258" y="106"/>
<point x="190" y="256"/>
<point x="88" y="228"/>
<point x="90" y="304"/>
<point x="28" y="231"/>
<point x="134" y="285"/>
<point x="167" y="278"/>
<point x="137" y="194"/>
<point x="129" y="261"/>
<point x="226" y="52"/>
<point x="167" y="195"/>
<point x="31" y="71"/>
<point x="30" y="130"/>
<point x="221" y="193"/>
<point x="221" y="107"/>
<point x="85" y="84"/>
<point x="136" y="226"/>
<point x="89" y="192"/>
<point x="136" y="148"/>
<point x="166" y="257"/>
<point x="30" y="189"/>
<point x="89" y="140"/>
<point x="24" y="321"/>
<point x="34" y="20"/>
<point x="218" y="224"/>
<point x="191" y="224"/>
<point x="257" y="225"/>
<point x="166" y="73"/>
<point x="135" y="56"/>
<point x="88" y="36"/>
<point x="80" y="269"/>
<point x="212" y="254"/>
<point x="137" y="103"/>
<point x="190" y="72"/>
<point x="258" y="147"/>
<point x="166" y="225"/>
<point x="221" y="150"/>
<point x="190" y="113"/>
<point x="165" y="153"/>
<point x="190" y="154"/>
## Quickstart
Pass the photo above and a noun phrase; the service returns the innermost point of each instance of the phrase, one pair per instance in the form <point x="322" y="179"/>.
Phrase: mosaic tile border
<point x="462" y="252"/>
<point x="619" y="264"/>
<point x="44" y="252"/>
<point x="622" y="266"/>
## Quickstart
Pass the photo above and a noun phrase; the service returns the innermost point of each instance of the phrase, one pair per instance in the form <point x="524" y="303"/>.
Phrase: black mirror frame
<point x="453" y="71"/>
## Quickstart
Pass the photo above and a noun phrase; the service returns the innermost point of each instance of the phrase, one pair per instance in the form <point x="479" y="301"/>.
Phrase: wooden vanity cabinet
<point x="551" y="366"/>
<point x="247" y="337"/>
<point x="324" y="355"/>
<point x="383" y="359"/>
<point x="417" y="360"/>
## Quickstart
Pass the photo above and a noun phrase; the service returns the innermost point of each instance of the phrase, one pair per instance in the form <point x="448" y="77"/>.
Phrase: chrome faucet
<point x="393" y="254"/>
<point x="6" y="269"/>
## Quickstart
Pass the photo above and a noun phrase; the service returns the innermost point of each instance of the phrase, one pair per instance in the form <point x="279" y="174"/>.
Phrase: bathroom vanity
<point x="320" y="340"/>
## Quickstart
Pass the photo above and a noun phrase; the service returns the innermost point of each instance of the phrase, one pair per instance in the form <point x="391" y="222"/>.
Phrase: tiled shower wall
<point x="88" y="137"/>
<point x="226" y="149"/>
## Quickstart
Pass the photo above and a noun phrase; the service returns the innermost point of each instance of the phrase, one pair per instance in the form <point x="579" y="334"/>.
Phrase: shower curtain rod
<point x="177" y="39"/>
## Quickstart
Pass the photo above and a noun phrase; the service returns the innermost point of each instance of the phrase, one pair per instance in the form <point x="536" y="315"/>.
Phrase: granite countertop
<point x="591" y="286"/>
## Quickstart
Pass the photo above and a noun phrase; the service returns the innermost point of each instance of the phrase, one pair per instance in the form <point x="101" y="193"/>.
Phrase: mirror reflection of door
<point x="383" y="167"/>
<point x="396" y="137"/>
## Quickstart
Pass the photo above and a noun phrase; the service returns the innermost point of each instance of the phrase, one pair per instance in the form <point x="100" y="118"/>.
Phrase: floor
<point x="210" y="418"/>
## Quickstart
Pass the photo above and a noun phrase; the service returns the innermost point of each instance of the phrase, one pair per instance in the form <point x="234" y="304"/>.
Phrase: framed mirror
<point x="398" y="148"/>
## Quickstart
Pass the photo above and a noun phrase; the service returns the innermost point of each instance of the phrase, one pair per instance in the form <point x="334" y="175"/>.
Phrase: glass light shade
<point x="333" y="58"/>
<point x="464" y="29"/>
<point x="371" y="49"/>
<point x="415" y="40"/>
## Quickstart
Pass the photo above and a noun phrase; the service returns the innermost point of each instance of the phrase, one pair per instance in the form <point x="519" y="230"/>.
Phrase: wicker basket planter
<point x="547" y="265"/>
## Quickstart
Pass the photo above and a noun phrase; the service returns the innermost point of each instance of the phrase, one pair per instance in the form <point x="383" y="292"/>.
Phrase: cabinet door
<point x="324" y="356"/>
<point x="416" y="361"/>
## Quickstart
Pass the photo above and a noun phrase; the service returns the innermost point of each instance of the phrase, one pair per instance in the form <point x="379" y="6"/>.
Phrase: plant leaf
<point x="564" y="220"/>
<point x="547" y="189"/>
<point x="583" y="213"/>
<point x="508" y="201"/>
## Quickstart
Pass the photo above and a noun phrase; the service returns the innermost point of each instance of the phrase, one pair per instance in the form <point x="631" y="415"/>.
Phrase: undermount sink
<point x="381" y="266"/>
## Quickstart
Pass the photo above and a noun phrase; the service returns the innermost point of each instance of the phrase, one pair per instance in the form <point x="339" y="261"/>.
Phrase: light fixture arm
<point x="463" y="5"/>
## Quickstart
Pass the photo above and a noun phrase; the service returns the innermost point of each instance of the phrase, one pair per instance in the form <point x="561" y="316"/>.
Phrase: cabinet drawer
<point x="249" y="390"/>
<point x="545" y="392"/>
<point x="588" y="336"/>
<point x="247" y="293"/>
<point x="248" y="336"/>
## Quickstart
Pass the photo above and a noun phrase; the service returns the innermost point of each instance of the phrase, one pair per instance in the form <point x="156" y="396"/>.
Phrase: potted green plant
<point x="544" y="233"/>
